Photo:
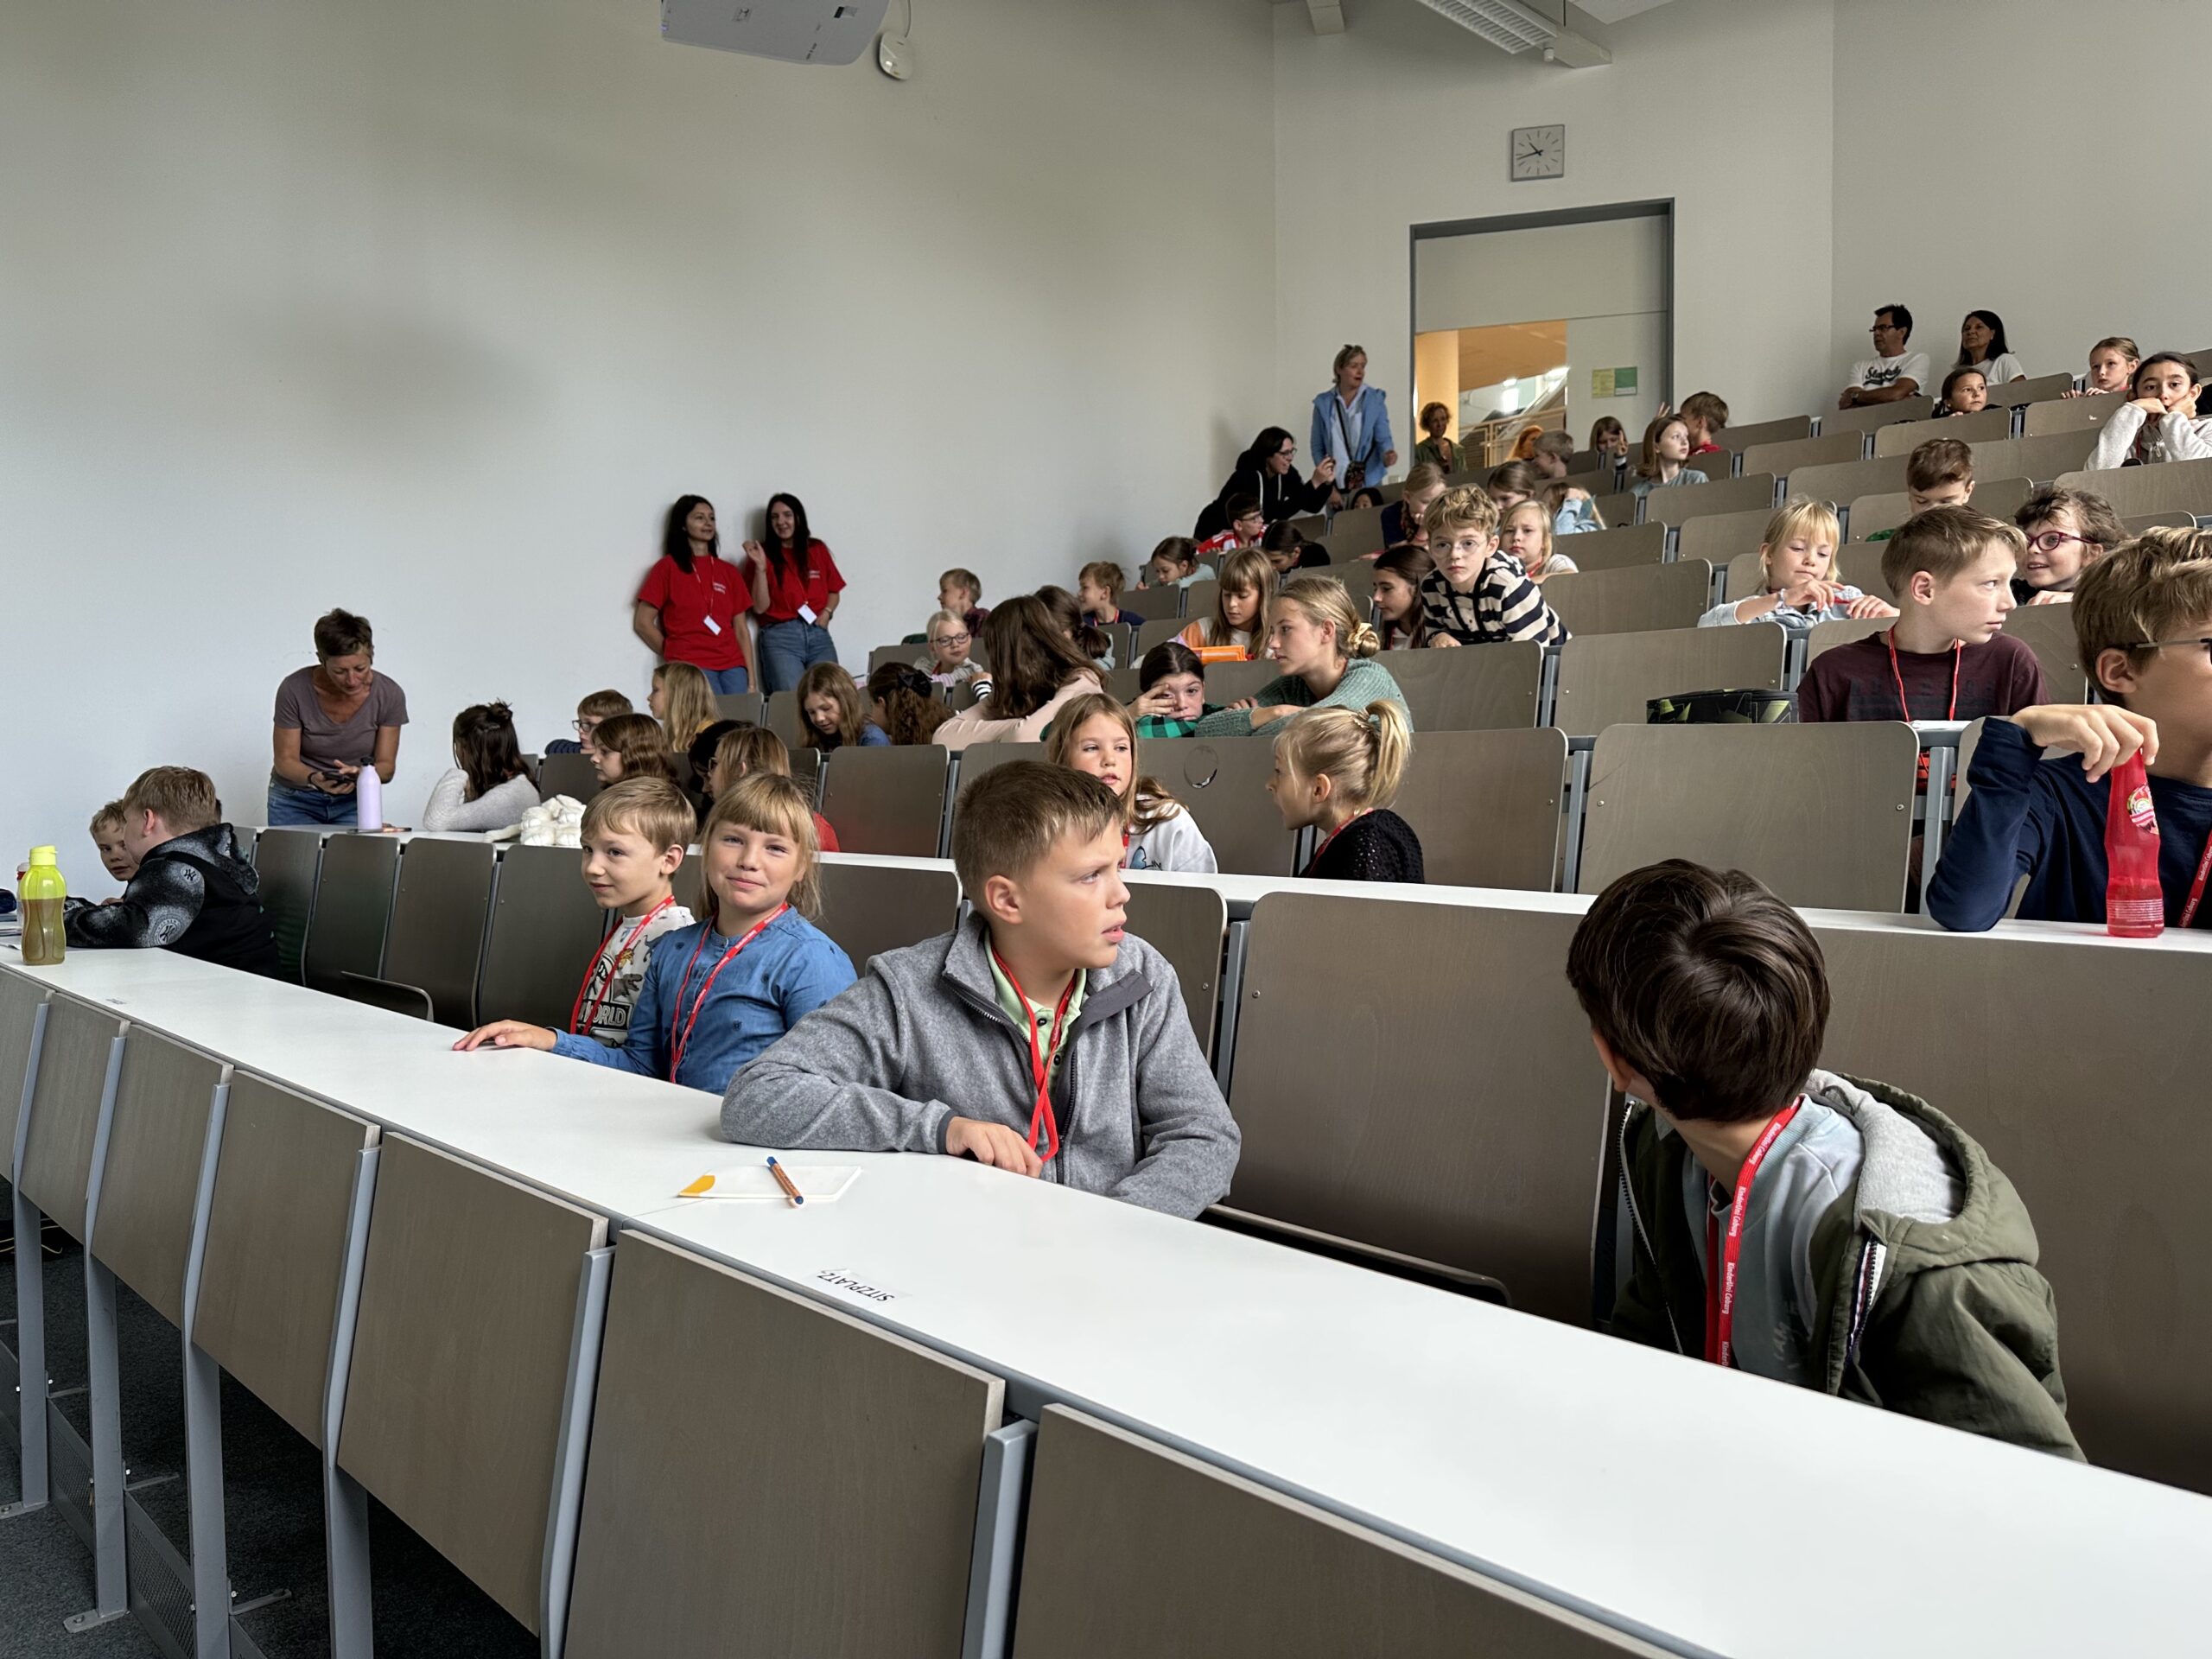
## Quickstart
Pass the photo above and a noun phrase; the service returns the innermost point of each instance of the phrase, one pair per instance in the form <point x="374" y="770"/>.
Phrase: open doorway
<point x="1543" y="321"/>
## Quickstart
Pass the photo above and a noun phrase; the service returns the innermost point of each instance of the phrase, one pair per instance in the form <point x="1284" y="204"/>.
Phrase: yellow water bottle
<point x="41" y="893"/>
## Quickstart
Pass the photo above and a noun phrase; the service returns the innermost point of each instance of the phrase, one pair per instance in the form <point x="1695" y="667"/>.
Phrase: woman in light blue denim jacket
<point x="1351" y="424"/>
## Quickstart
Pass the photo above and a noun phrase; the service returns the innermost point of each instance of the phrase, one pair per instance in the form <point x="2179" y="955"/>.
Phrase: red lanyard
<point x="2196" y="887"/>
<point x="1040" y="1063"/>
<point x="678" y="1041"/>
<point x="1958" y="655"/>
<point x="590" y="1016"/>
<point x="1720" y="1255"/>
<point x="1334" y="833"/>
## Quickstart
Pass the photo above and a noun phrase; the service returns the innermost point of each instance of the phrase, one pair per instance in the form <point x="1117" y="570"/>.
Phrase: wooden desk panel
<point x="461" y="1355"/>
<point x="66" y="1111"/>
<point x="156" y="1142"/>
<point x="771" y="1475"/>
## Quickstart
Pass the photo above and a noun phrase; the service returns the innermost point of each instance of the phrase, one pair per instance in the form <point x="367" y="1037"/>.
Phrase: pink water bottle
<point x="368" y="799"/>
<point x="2135" y="905"/>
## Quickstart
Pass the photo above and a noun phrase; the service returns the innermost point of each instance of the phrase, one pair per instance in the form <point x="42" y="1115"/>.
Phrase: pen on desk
<point x="784" y="1181"/>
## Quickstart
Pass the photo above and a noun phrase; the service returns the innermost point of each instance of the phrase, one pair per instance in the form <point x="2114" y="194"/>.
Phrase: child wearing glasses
<point x="951" y="660"/>
<point x="2142" y="622"/>
<point x="2068" y="531"/>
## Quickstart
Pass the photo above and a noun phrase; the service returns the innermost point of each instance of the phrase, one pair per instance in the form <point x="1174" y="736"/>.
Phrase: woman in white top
<point x="1981" y="345"/>
<point x="1036" y="672"/>
<point x="487" y="787"/>
<point x="1666" y="448"/>
<point x="1094" y="733"/>
<point x="2159" y="423"/>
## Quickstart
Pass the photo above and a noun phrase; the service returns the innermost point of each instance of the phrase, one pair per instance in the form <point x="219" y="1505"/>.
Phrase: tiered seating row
<point x="459" y="1274"/>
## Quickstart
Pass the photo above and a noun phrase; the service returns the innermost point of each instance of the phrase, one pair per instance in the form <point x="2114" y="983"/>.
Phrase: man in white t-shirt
<point x="1892" y="372"/>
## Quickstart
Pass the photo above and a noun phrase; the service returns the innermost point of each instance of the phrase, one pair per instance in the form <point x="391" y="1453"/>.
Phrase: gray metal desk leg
<point x="345" y="1505"/>
<point x="578" y="1395"/>
<point x="1942" y="760"/>
<point x="1578" y="799"/>
<point x="112" y="1583"/>
<point x="951" y="799"/>
<point x="1232" y="995"/>
<point x="29" y="1403"/>
<point x="30" y="1359"/>
<point x="203" y="1426"/>
<point x="1001" y="1502"/>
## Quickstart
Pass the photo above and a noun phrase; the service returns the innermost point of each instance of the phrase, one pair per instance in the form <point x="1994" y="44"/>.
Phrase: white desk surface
<point x="1590" y="1469"/>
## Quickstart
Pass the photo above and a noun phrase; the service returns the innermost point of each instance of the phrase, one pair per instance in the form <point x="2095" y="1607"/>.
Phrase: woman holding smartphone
<point x="332" y="721"/>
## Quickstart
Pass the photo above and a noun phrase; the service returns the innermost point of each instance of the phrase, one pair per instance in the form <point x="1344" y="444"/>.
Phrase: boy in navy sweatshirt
<point x="2143" y="619"/>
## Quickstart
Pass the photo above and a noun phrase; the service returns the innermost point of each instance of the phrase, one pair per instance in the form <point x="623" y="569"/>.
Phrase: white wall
<point x="1404" y="118"/>
<point x="2078" y="215"/>
<point x="428" y="308"/>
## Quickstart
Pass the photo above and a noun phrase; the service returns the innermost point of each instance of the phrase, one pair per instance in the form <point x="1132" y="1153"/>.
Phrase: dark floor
<point x="273" y="1497"/>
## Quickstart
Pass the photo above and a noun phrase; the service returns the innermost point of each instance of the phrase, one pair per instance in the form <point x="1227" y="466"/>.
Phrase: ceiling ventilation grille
<point x="1506" y="25"/>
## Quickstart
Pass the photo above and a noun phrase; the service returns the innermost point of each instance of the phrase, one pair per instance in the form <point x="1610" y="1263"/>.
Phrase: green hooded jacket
<point x="1944" y="1319"/>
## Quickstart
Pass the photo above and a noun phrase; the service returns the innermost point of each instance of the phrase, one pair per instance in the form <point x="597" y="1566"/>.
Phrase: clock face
<point x="1539" y="153"/>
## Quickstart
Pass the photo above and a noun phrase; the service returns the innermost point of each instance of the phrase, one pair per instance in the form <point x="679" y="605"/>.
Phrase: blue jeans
<point x="729" y="681"/>
<point x="297" y="804"/>
<point x="788" y="649"/>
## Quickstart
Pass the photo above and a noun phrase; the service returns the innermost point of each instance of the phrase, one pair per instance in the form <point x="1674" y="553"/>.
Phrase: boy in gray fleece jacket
<point x="1036" y="1037"/>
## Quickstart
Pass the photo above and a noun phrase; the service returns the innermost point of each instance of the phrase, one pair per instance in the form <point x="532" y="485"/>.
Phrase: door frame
<point x="1660" y="209"/>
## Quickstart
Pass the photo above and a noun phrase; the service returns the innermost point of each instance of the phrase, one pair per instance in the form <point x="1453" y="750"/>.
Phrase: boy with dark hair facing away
<point x="2142" y="618"/>
<point x="107" y="834"/>
<point x="1946" y="655"/>
<point x="194" y="892"/>
<point x="1036" y="1037"/>
<point x="1938" y="474"/>
<point x="1792" y="1222"/>
<point x="1478" y="595"/>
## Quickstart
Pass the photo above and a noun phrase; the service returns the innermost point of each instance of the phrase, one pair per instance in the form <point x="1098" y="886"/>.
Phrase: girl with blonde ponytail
<point x="1325" y="650"/>
<point x="1338" y="770"/>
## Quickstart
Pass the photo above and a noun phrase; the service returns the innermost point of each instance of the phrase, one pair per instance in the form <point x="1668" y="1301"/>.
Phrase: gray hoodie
<point x="921" y="1039"/>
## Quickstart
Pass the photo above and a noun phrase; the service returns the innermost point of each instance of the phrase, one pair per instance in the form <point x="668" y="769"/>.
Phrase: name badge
<point x="713" y="626"/>
<point x="806" y="613"/>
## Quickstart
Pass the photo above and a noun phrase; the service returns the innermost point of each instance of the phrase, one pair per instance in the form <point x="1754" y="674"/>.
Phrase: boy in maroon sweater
<point x="1946" y="656"/>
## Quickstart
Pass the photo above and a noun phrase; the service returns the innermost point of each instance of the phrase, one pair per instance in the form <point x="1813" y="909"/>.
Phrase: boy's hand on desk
<point x="991" y="1143"/>
<point x="505" y="1033"/>
<point x="2102" y="733"/>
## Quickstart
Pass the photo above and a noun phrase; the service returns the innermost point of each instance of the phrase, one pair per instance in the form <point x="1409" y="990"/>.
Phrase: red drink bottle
<point x="2135" y="908"/>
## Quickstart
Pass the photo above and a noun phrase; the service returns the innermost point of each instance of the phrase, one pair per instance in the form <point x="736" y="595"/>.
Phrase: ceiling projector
<point x="796" y="31"/>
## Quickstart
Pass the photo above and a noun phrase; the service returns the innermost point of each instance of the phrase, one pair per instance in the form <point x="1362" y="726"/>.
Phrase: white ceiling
<point x="1612" y="11"/>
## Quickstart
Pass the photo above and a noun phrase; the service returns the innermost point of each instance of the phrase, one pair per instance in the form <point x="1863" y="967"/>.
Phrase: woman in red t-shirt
<point x="693" y="603"/>
<point x="795" y="588"/>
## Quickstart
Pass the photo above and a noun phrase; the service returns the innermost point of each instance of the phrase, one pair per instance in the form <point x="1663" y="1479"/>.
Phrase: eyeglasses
<point x="583" y="727"/>
<point x="1287" y="454"/>
<point x="2168" y="645"/>
<point x="2050" y="541"/>
<point x="951" y="639"/>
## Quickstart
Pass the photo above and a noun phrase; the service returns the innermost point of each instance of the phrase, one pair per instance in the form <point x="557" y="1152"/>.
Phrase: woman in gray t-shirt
<point x="333" y="720"/>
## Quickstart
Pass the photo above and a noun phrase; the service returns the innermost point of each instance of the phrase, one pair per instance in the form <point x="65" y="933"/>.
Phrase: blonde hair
<point x="652" y="808"/>
<point x="1465" y="508"/>
<point x="966" y="580"/>
<point x="1544" y="522"/>
<point x="690" y="702"/>
<point x="1144" y="803"/>
<point x="1426" y="475"/>
<point x="183" y="798"/>
<point x="1325" y="603"/>
<point x="1363" y="753"/>
<point x="1800" y="517"/>
<point x="110" y="814"/>
<point x="1246" y="569"/>
<point x="774" y="806"/>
